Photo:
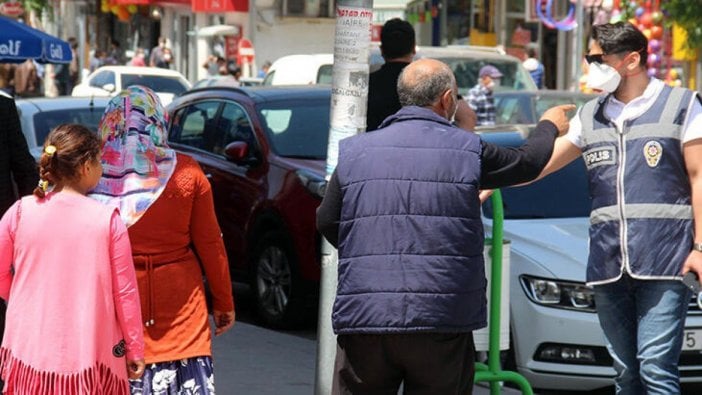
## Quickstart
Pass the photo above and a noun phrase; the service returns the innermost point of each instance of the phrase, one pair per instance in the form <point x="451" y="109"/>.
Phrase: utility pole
<point x="349" y="99"/>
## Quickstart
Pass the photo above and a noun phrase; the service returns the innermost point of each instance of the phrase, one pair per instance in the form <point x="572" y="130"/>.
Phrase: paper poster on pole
<point x="349" y="94"/>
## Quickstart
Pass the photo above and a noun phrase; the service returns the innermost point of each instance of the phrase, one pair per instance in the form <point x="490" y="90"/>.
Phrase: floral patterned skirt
<point x="192" y="376"/>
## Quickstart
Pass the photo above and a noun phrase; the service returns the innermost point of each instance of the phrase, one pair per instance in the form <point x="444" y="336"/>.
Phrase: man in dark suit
<point x="18" y="170"/>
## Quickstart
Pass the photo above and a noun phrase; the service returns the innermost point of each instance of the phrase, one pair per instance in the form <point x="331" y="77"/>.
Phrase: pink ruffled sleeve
<point x="126" y="293"/>
<point x="8" y="224"/>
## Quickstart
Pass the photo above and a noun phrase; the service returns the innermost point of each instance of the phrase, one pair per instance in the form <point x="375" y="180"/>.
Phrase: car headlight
<point x="559" y="294"/>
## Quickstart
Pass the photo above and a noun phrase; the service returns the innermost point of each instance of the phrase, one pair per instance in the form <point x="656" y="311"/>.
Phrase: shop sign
<point x="11" y="8"/>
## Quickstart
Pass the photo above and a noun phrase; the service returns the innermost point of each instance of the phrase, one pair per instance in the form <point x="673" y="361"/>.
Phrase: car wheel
<point x="279" y="291"/>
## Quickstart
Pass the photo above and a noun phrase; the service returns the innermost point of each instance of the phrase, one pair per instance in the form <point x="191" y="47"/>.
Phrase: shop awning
<point x="196" y="5"/>
<point x="220" y="5"/>
<point x="218" y="30"/>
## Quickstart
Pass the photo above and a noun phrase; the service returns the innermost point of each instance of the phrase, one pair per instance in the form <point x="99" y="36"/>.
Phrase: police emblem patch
<point x="652" y="152"/>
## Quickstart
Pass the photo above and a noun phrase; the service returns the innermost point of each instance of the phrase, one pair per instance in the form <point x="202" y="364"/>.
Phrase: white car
<point x="38" y="116"/>
<point x="556" y="339"/>
<point x="464" y="60"/>
<point x="110" y="80"/>
<point x="301" y="70"/>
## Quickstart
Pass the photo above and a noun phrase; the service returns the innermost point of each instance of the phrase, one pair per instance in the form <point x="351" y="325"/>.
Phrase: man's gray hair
<point x="425" y="87"/>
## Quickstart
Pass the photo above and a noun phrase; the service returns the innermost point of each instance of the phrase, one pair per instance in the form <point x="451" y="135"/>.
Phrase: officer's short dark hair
<point x="621" y="37"/>
<point x="397" y="38"/>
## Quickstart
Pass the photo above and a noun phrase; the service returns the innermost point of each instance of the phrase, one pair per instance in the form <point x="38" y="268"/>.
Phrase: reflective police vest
<point x="641" y="219"/>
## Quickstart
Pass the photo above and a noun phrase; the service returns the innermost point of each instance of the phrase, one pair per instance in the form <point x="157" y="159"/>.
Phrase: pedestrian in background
<point x="116" y="54"/>
<point x="27" y="81"/>
<point x="642" y="145"/>
<point x="213" y="64"/>
<point x="232" y="77"/>
<point x="64" y="75"/>
<point x="66" y="272"/>
<point x="402" y="207"/>
<point x="7" y="79"/>
<point x="480" y="97"/>
<point x="161" y="55"/>
<point x="97" y="60"/>
<point x="166" y="202"/>
<point x="535" y="68"/>
<point x="397" y="46"/>
<point x="139" y="59"/>
<point x="264" y="69"/>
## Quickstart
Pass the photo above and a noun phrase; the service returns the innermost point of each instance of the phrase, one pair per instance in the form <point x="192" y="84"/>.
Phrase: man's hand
<point x="224" y="320"/>
<point x="465" y="117"/>
<point x="693" y="263"/>
<point x="558" y="115"/>
<point x="135" y="368"/>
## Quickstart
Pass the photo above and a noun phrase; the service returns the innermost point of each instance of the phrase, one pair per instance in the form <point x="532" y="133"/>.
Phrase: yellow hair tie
<point x="50" y="150"/>
<point x="44" y="185"/>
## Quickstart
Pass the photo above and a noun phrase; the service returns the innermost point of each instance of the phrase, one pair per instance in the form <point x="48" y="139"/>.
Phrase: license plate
<point x="692" y="340"/>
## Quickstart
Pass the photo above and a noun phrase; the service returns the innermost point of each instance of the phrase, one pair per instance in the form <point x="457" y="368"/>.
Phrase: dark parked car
<point x="264" y="151"/>
<point x="38" y="116"/>
<point x="522" y="107"/>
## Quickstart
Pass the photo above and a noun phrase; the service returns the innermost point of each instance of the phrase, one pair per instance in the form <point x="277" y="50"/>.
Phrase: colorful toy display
<point x="649" y="18"/>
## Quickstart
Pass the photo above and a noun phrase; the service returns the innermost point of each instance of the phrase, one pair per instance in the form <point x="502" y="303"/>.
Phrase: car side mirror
<point x="237" y="151"/>
<point x="109" y="87"/>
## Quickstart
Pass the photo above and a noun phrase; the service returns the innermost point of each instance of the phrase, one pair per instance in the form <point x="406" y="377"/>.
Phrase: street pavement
<point x="251" y="360"/>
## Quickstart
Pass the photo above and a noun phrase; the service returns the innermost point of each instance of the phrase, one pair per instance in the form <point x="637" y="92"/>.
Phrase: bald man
<point x="402" y="207"/>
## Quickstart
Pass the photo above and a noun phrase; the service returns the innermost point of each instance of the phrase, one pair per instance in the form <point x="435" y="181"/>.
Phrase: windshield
<point x="47" y="120"/>
<point x="512" y="108"/>
<point x="466" y="71"/>
<point x="297" y="128"/>
<point x="543" y="103"/>
<point x="157" y="83"/>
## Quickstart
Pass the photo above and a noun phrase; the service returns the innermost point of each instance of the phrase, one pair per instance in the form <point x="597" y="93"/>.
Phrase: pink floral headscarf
<point x="136" y="160"/>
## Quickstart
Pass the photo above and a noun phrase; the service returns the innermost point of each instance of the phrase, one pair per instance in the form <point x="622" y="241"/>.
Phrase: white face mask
<point x="603" y="77"/>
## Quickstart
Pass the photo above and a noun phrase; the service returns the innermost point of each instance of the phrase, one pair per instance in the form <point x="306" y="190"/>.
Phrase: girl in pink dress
<point x="67" y="275"/>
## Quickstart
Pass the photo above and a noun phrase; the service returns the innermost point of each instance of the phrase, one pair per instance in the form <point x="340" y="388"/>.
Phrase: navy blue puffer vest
<point x="641" y="220"/>
<point x="411" y="237"/>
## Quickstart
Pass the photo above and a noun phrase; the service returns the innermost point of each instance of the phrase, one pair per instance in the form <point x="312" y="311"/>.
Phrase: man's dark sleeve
<point x="503" y="166"/>
<point x="22" y="164"/>
<point x="329" y="212"/>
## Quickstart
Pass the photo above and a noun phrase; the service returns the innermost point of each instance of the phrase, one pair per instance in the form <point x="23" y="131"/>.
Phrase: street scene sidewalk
<point x="250" y="360"/>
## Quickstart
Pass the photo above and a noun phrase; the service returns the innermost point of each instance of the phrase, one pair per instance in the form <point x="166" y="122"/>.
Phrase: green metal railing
<point x="492" y="372"/>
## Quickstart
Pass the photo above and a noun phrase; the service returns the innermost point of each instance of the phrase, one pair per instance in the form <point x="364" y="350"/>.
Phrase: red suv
<point x="264" y="151"/>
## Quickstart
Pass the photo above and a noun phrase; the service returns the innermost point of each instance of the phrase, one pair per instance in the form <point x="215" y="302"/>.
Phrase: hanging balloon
<point x="114" y="9"/>
<point x="647" y="33"/>
<point x="652" y="72"/>
<point x="123" y="15"/>
<point x="656" y="17"/>
<point x="646" y="19"/>
<point x="654" y="45"/>
<point x="656" y="32"/>
<point x="132" y="8"/>
<point x="639" y="11"/>
<point x="104" y="7"/>
<point x="654" y="60"/>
